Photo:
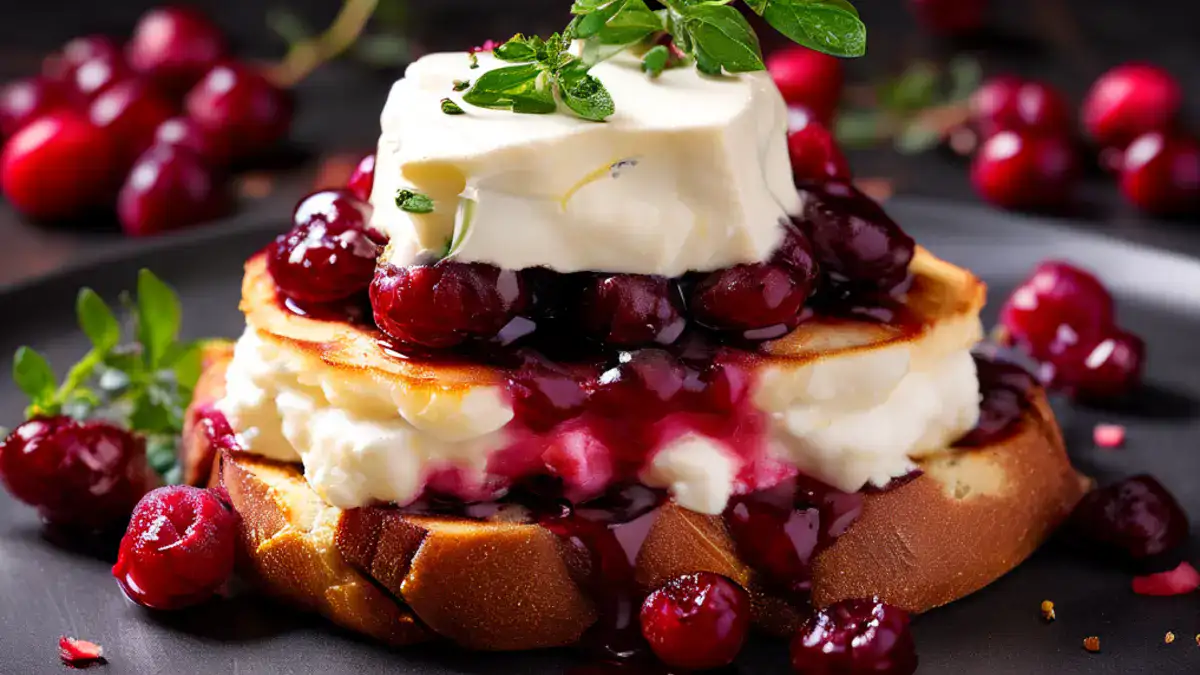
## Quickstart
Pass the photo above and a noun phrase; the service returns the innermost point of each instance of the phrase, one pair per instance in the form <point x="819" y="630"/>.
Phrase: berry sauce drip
<point x="1005" y="388"/>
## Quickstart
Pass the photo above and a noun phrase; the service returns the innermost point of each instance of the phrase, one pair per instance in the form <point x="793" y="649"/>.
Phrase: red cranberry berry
<point x="1058" y="303"/>
<point x="131" y="111"/>
<point x="855" y="242"/>
<point x="631" y="310"/>
<point x="329" y="255"/>
<point x="175" y="46"/>
<point x="1022" y="170"/>
<point x="178" y="550"/>
<point x="814" y="152"/>
<point x="808" y="79"/>
<point x="241" y="105"/>
<point x="1128" y="101"/>
<point x="363" y="179"/>
<point x="87" y="65"/>
<point x="60" y="166"/>
<point x="761" y="298"/>
<point x="446" y="303"/>
<point x="641" y="384"/>
<point x="949" y="17"/>
<point x="697" y="621"/>
<point x="167" y="189"/>
<point x="855" y="637"/>
<point x="182" y="132"/>
<point x="23" y="101"/>
<point x="1136" y="516"/>
<point x="85" y="475"/>
<point x="1160" y="173"/>
<point x="1102" y="369"/>
<point x="1008" y="103"/>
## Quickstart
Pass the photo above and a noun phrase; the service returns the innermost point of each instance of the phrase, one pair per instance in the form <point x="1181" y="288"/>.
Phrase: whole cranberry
<point x="631" y="310"/>
<point x="25" y="100"/>
<point x="808" y="79"/>
<point x="751" y="298"/>
<point x="855" y="242"/>
<point x="697" y="621"/>
<point x="96" y="76"/>
<point x="949" y="17"/>
<point x="179" y="548"/>
<point x="329" y="255"/>
<point x="131" y="111"/>
<point x="855" y="636"/>
<point x="175" y="46"/>
<point x="167" y="189"/>
<point x="641" y="384"/>
<point x="1100" y="369"/>
<point x="446" y="303"/>
<point x="1022" y="170"/>
<point x="242" y="106"/>
<point x="362" y="181"/>
<point x="1136" y="516"/>
<point x="1008" y="103"/>
<point x="184" y="133"/>
<point x="85" y="475"/>
<point x="60" y="166"/>
<point x="1059" y="303"/>
<point x="99" y="58"/>
<point x="814" y="152"/>
<point x="1128" y="101"/>
<point x="1160" y="173"/>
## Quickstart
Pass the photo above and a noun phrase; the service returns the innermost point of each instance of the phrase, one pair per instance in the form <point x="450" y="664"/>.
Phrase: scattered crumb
<point x="1092" y="644"/>
<point x="79" y="653"/>
<point x="1169" y="638"/>
<point x="1109" y="436"/>
<point x="1048" y="610"/>
<point x="256" y="185"/>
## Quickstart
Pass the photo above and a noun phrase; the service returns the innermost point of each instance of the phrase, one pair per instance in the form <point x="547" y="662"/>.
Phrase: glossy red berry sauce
<point x="855" y="637"/>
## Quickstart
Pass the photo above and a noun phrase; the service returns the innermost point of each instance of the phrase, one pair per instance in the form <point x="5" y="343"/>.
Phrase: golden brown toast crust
<point x="972" y="517"/>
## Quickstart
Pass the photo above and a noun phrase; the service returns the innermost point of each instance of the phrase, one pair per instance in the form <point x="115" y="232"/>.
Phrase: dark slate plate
<point x="47" y="590"/>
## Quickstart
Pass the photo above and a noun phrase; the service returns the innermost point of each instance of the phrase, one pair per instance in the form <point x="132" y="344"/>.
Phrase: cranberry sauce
<point x="1006" y="389"/>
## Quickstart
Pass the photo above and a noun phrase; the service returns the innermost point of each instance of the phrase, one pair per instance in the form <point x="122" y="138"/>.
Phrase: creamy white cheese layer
<point x="847" y="420"/>
<point x="690" y="174"/>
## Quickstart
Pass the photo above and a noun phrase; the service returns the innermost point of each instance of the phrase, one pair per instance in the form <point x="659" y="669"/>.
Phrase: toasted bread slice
<point x="970" y="518"/>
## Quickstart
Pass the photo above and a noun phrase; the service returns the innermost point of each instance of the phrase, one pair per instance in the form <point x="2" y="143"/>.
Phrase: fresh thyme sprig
<point x="711" y="33"/>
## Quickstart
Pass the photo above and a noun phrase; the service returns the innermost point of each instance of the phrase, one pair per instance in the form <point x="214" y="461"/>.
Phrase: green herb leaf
<point x="915" y="89"/>
<point x="722" y="38"/>
<point x="830" y="26"/>
<point x="451" y="108"/>
<point x="522" y="89"/>
<point x="159" y="317"/>
<point x="413" y="202"/>
<point x="162" y="452"/>
<point x="518" y="49"/>
<point x="97" y="320"/>
<point x="655" y="60"/>
<point x="621" y="22"/>
<point x="186" y="361"/>
<point x="585" y="95"/>
<point x="462" y="85"/>
<point x="34" y="377"/>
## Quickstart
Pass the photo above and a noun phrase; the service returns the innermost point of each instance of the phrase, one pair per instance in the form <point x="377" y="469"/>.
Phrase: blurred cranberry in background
<point x="1022" y="170"/>
<point x="130" y="112"/>
<point x="168" y="188"/>
<point x="814" y="151"/>
<point x="808" y="79"/>
<point x="24" y="100"/>
<point x="1128" y="101"/>
<point x="949" y="17"/>
<point x="1009" y="103"/>
<point x="240" y="104"/>
<point x="175" y="46"/>
<point x="1160" y="173"/>
<point x="86" y="66"/>
<point x="184" y="133"/>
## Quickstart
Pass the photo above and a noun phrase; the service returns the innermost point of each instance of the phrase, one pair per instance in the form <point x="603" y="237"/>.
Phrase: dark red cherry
<point x="363" y="178"/>
<point x="641" y="384"/>
<point x="808" y="79"/>
<point x="1128" y="101"/>
<point x="131" y="111"/>
<point x="1136" y="516"/>
<point x="814" y="152"/>
<point x="61" y="66"/>
<point x="446" y="303"/>
<point x="697" y="621"/>
<point x="855" y="242"/>
<point x="81" y="475"/>
<point x="94" y="77"/>
<point x="1106" y="368"/>
<point x="1007" y="102"/>
<point x="167" y="189"/>
<point x="949" y="17"/>
<point x="175" y="46"/>
<point x="329" y="254"/>
<point x="1160" y="173"/>
<point x="22" y="101"/>
<point x="241" y="105"/>
<point x="1058" y="305"/>
<point x="179" y="548"/>
<point x="182" y="132"/>
<point x="748" y="299"/>
<point x="855" y="637"/>
<point x="60" y="166"/>
<point x="1022" y="170"/>
<point x="632" y="310"/>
